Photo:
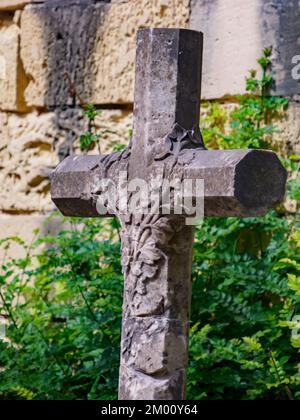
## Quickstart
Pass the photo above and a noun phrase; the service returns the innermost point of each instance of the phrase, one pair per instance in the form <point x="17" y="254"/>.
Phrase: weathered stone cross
<point x="157" y="248"/>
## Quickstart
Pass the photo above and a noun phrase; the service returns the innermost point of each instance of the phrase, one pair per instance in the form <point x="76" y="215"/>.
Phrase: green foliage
<point x="245" y="339"/>
<point x="62" y="302"/>
<point x="90" y="112"/>
<point x="251" y="121"/>
<point x="88" y="140"/>
<point x="242" y="300"/>
<point x="92" y="137"/>
<point x="63" y="309"/>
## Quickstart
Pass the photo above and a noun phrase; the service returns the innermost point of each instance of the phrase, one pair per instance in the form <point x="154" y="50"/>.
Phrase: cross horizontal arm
<point x="236" y="182"/>
<point x="240" y="182"/>
<point x="72" y="185"/>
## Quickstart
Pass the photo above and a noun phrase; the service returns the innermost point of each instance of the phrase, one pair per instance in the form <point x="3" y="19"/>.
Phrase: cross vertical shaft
<point x="167" y="89"/>
<point x="157" y="250"/>
<point x="154" y="346"/>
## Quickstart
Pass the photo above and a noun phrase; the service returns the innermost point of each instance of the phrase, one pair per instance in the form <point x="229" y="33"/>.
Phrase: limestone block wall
<point x="57" y="54"/>
<point x="236" y="32"/>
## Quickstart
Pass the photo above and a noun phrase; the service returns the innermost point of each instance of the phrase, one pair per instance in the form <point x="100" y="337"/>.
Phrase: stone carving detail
<point x="144" y="240"/>
<point x="150" y="333"/>
<point x="109" y="160"/>
<point x="146" y="236"/>
<point x="178" y="141"/>
<point x="148" y="241"/>
<point x="155" y="324"/>
<point x="145" y="343"/>
<point x="179" y="144"/>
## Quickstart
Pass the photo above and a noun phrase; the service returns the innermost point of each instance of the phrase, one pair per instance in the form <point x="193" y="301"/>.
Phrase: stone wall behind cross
<point x="57" y="54"/>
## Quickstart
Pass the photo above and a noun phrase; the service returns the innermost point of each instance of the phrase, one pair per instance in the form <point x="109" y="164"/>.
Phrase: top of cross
<point x="167" y="87"/>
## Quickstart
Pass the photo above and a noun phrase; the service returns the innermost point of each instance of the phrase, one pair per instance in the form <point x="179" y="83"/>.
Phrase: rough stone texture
<point x="23" y="226"/>
<point x="32" y="145"/>
<point x="236" y="33"/>
<point x="100" y="53"/>
<point x="12" y="78"/>
<point x="28" y="155"/>
<point x="162" y="388"/>
<point x="114" y="77"/>
<point x="12" y="5"/>
<point x="116" y="126"/>
<point x="147" y="340"/>
<point x="16" y="4"/>
<point x="28" y="228"/>
<point x="288" y="137"/>
<point x="280" y="28"/>
<point x="232" y="43"/>
<point x="155" y="337"/>
<point x="55" y="55"/>
<point x="286" y="140"/>
<point x="167" y="88"/>
<point x="157" y="249"/>
<point x="236" y="182"/>
<point x="98" y="56"/>
<point x="56" y="135"/>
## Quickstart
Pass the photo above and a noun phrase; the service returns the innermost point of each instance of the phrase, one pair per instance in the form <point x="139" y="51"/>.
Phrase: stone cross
<point x="157" y="248"/>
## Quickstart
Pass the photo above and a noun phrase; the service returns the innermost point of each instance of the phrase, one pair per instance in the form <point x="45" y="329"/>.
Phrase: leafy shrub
<point x="63" y="306"/>
<point x="243" y="307"/>
<point x="62" y="302"/>
<point x="246" y="289"/>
